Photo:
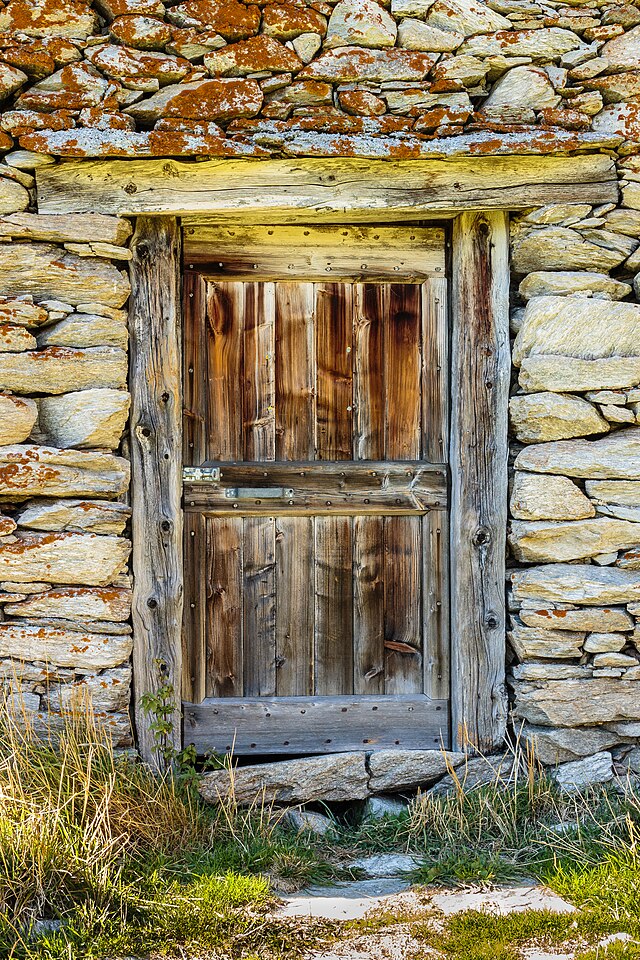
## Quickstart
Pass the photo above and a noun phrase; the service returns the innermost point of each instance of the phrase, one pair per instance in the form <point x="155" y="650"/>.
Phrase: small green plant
<point x="160" y="706"/>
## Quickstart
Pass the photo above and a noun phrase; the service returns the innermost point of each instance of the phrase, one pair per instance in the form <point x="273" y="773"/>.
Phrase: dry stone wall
<point x="390" y="79"/>
<point x="64" y="587"/>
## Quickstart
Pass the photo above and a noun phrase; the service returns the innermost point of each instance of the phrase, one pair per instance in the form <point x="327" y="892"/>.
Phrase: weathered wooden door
<point x="315" y="406"/>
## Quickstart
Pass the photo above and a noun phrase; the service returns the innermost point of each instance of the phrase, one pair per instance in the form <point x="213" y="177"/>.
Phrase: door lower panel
<point x="307" y="725"/>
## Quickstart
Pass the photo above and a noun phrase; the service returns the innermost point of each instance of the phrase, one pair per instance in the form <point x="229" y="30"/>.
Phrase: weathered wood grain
<point x="225" y="309"/>
<point x="295" y="550"/>
<point x="194" y="674"/>
<point x="334" y="405"/>
<point x="333" y="669"/>
<point x="156" y="454"/>
<point x="295" y="371"/>
<point x="194" y="371"/>
<point x="479" y="389"/>
<point x="258" y="387"/>
<point x="222" y="666"/>
<point x="241" y="252"/>
<point x="308" y="725"/>
<point x="259" y="606"/>
<point x="368" y="605"/>
<point x="325" y="190"/>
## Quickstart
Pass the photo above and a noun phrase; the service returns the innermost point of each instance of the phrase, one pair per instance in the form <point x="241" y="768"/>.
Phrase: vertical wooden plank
<point x="295" y="371"/>
<point x="435" y="595"/>
<point x="220" y="579"/>
<point x="334" y="606"/>
<point x="403" y="604"/>
<point x="368" y="605"/>
<point x="295" y="608"/>
<point x="435" y="371"/>
<point x="225" y="308"/>
<point x="194" y="371"/>
<point x="481" y="368"/>
<point x="156" y="462"/>
<point x="403" y="373"/>
<point x="371" y="309"/>
<point x="194" y="661"/>
<point x="334" y="408"/>
<point x="259" y="420"/>
<point x="259" y="607"/>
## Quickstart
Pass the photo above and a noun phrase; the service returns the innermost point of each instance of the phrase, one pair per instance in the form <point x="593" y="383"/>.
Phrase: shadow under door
<point x="315" y="493"/>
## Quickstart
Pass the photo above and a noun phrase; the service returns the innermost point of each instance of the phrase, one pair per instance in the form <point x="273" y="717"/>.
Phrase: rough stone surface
<point x="566" y="744"/>
<point x="351" y="64"/>
<point x="63" y="558"/>
<point x="467" y="17"/>
<point x="341" y="776"/>
<point x="574" y="703"/>
<point x="84" y="330"/>
<point x="61" y="369"/>
<point x="393" y="770"/>
<point x="89" y="651"/>
<point x="584" y="328"/>
<point x="560" y="374"/>
<point x="476" y="772"/>
<point x="560" y="248"/>
<point x="616" y="456"/>
<point x="17" y="418"/>
<point x="35" y="471"/>
<point x="363" y="23"/>
<point x="538" y="497"/>
<point x="88" y="603"/>
<point x="580" y="774"/>
<point x="602" y="619"/>
<point x="536" y="643"/>
<point x="83" y="418"/>
<point x="576" y="583"/>
<point x="554" y="416"/>
<point x="377" y="808"/>
<point x="79" y="516"/>
<point x="555" y="542"/>
<point x="544" y="283"/>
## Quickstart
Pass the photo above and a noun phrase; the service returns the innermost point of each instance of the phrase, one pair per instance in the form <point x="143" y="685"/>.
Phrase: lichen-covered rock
<point x="467" y="17"/>
<point x="536" y="496"/>
<point x="620" y="119"/>
<point x="83" y="418"/>
<point x="23" y="312"/>
<point x="11" y="79"/>
<point x="64" y="648"/>
<point x="417" y="35"/>
<point x="35" y="471"/>
<point x="576" y="583"/>
<point x="542" y="283"/>
<point x="14" y="339"/>
<point x="588" y="329"/>
<point x="559" y="374"/>
<point x="61" y="369"/>
<point x="350" y="64"/>
<point x="232" y="19"/>
<point x="63" y="558"/>
<point x="361" y="23"/>
<point x="591" y="619"/>
<point x="84" y="603"/>
<point x="17" y="418"/>
<point x="521" y="88"/>
<point x="144" y="33"/>
<point x="48" y="18"/>
<point x="341" y="776"/>
<point x="49" y="273"/>
<point x="81" y="516"/>
<point x="623" y="52"/>
<point x="614" y="457"/>
<point x="56" y="228"/>
<point x="106" y="691"/>
<point x="126" y="62"/>
<point x="557" y="541"/>
<point x="216" y="99"/>
<point x="251" y="56"/>
<point x="554" y="416"/>
<point x="546" y="44"/>
<point x="287" y="21"/>
<point x="73" y="87"/>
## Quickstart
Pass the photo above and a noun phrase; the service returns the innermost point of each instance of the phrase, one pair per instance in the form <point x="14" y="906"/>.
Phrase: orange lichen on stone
<point x="252" y="56"/>
<point x="361" y="103"/>
<point x="33" y="63"/>
<point x="52" y="18"/>
<point x="126" y="62"/>
<point x="144" y="33"/>
<point x="230" y="18"/>
<point x="351" y="64"/>
<point x="287" y="21"/>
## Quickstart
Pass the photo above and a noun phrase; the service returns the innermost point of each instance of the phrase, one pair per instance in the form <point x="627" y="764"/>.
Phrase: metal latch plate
<point x="258" y="493"/>
<point x="200" y="474"/>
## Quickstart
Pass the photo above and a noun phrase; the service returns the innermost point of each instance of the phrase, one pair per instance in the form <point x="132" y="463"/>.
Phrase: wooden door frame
<point x="484" y="189"/>
<point x="480" y="374"/>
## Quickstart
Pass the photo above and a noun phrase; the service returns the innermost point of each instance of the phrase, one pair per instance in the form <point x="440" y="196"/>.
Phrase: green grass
<point x="131" y="864"/>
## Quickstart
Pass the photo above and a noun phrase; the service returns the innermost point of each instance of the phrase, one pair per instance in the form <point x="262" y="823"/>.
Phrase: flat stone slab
<point x="343" y="901"/>
<point x="381" y="865"/>
<point x="501" y="901"/>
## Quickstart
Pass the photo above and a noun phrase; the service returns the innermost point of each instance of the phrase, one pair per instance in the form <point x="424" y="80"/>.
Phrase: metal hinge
<point x="200" y="474"/>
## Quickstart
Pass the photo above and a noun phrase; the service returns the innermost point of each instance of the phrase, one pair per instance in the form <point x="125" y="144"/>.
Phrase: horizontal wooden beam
<point x="342" y="488"/>
<point x="304" y="725"/>
<point x="322" y="190"/>
<point x="353" y="252"/>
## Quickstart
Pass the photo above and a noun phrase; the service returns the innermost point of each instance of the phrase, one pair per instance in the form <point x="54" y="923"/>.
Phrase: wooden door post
<point x="156" y="461"/>
<point x="481" y="368"/>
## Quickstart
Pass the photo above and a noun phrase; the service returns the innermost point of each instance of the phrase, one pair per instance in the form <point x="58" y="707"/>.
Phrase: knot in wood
<point x="491" y="620"/>
<point x="481" y="537"/>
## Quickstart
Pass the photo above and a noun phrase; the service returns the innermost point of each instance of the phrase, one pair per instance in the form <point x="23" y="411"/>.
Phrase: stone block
<point x="90" y="651"/>
<point x="35" y="471"/>
<point x="70" y="558"/>
<point x="614" y="457"/>
<point x="88" y="603"/>
<point x="537" y="496"/>
<point x="592" y="619"/>
<point x="84" y="418"/>
<point x="393" y="770"/>
<point x="549" y="541"/>
<point x="46" y="271"/>
<point x="17" y="418"/>
<point x="79" y="516"/>
<point x="562" y="374"/>
<point x="577" y="583"/>
<point x="536" y="643"/>
<point x="554" y="416"/>
<point x="543" y="283"/>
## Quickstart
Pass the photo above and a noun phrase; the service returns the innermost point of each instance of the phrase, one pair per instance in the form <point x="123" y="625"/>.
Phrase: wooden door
<point x="316" y="530"/>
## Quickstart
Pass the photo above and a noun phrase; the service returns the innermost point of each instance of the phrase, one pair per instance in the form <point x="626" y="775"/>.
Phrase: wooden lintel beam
<point x="322" y="190"/>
